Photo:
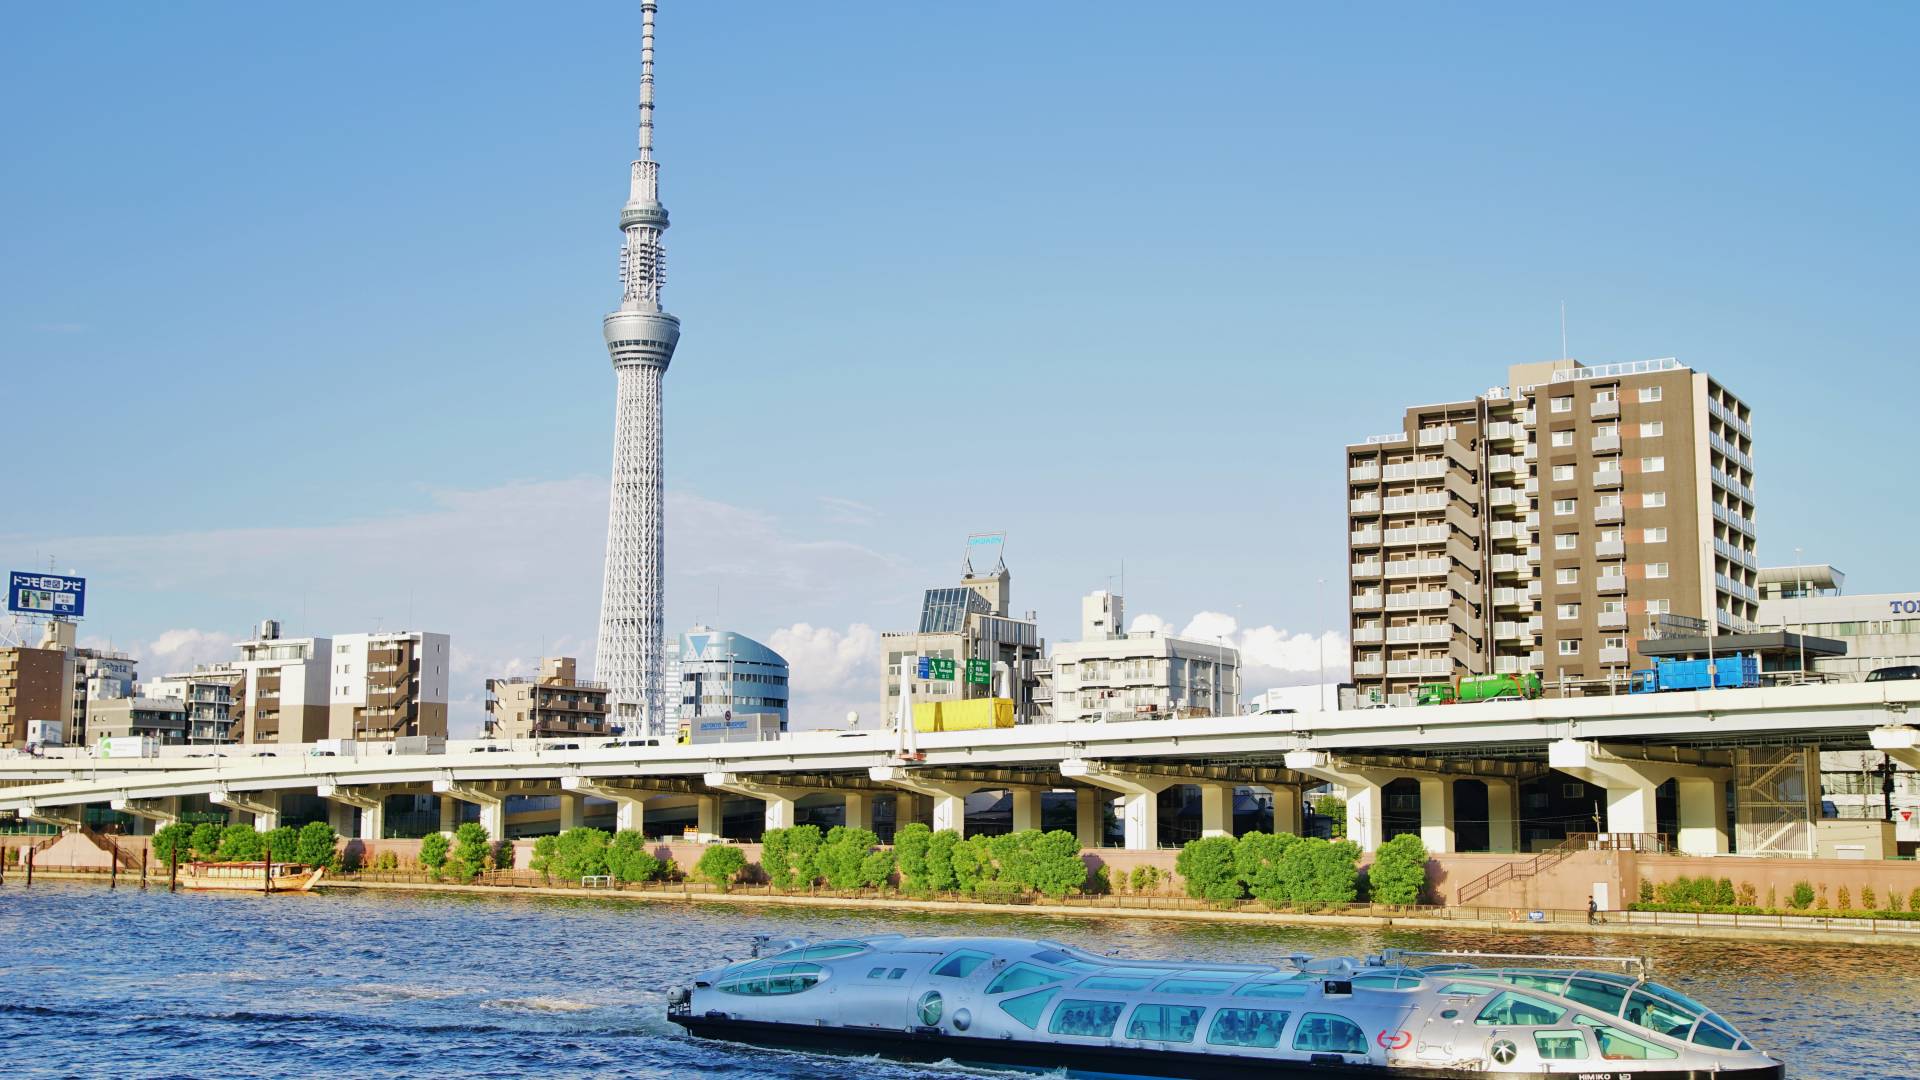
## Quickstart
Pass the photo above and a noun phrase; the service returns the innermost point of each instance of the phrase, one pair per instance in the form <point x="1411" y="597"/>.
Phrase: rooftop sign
<point x="53" y="595"/>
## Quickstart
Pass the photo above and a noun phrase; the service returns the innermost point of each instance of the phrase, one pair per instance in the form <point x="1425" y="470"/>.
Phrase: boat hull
<point x="292" y="883"/>
<point x="1124" y="1061"/>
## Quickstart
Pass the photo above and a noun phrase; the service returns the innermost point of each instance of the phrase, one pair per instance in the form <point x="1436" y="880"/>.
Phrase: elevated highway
<point x="1628" y="745"/>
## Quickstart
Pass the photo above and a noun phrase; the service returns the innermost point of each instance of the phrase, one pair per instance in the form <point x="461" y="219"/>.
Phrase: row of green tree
<point x="462" y="858"/>
<point x="989" y="867"/>
<point x="583" y="852"/>
<point x="1283" y="870"/>
<point x="314" y="844"/>
<point x="843" y="857"/>
<point x="1722" y="896"/>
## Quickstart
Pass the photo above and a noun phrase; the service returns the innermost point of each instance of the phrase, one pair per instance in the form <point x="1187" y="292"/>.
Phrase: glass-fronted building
<point x="731" y="687"/>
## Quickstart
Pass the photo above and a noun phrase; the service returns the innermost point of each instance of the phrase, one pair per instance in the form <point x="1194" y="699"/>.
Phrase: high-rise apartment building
<point x="555" y="704"/>
<point x="98" y="674"/>
<point x="385" y="685"/>
<point x="1541" y="526"/>
<point x="34" y="693"/>
<point x="283" y="687"/>
<point x="209" y="696"/>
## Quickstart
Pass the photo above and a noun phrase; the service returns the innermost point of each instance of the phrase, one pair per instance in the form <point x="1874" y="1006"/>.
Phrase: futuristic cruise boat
<point x="1041" y="1005"/>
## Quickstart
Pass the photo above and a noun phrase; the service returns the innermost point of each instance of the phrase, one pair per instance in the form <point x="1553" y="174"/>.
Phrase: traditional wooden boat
<point x="255" y="876"/>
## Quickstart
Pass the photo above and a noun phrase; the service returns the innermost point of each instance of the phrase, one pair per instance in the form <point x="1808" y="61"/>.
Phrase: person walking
<point x="1593" y="911"/>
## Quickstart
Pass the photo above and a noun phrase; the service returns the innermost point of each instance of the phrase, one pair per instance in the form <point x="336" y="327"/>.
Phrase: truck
<point x="1731" y="672"/>
<point x="970" y="715"/>
<point x="129" y="746"/>
<point x="333" y="748"/>
<point x="420" y="744"/>
<point x="1479" y="688"/>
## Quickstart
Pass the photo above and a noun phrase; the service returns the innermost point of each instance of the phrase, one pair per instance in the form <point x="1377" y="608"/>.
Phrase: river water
<point x="351" y="984"/>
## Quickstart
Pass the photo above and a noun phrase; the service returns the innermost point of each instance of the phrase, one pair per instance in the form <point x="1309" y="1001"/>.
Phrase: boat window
<point x="826" y="950"/>
<point x="1469" y="989"/>
<point x="1246" y="1027"/>
<point x="1165" y="1023"/>
<point x="1230" y="976"/>
<point x="1656" y="1015"/>
<point x="1604" y="996"/>
<point x="1022" y="977"/>
<point x="1274" y="990"/>
<point x="1115" y="982"/>
<point x="1560" y="1045"/>
<point x="1091" y="1019"/>
<point x="1512" y="1008"/>
<point x="1674" y="996"/>
<point x="1617" y="1045"/>
<point x="896" y="973"/>
<point x="960" y="964"/>
<point x="1710" y="1033"/>
<point x="773" y="979"/>
<point x="877" y="973"/>
<point x="1028" y="1007"/>
<point x="1385" y="981"/>
<point x="1325" y="1033"/>
<point x="1184" y="985"/>
<point x="1549" y="981"/>
<point x="929" y="1008"/>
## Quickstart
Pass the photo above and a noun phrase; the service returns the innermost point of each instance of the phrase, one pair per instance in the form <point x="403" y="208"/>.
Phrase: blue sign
<point x="46" y="594"/>
<point x="926" y="668"/>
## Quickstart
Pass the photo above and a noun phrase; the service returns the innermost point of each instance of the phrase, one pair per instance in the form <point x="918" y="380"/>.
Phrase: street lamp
<point x="1800" y="588"/>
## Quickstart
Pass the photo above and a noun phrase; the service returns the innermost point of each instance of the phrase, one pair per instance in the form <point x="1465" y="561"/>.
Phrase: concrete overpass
<point x="1627" y="745"/>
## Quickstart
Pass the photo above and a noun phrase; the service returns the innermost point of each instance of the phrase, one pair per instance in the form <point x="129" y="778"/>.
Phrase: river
<point x="351" y="984"/>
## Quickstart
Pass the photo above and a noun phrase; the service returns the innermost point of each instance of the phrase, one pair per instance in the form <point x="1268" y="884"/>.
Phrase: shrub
<point x="970" y="868"/>
<point x="240" y="843"/>
<point x="910" y="842"/>
<point x="1773" y="898"/>
<point x="1843" y="899"/>
<point x="1207" y="865"/>
<point x="940" y="875"/>
<point x="1869" y="900"/>
<point x="386" y="860"/>
<point x="205" y="842"/>
<point x="1138" y="879"/>
<point x="315" y="845"/>
<point x="876" y="868"/>
<point x="1893" y="900"/>
<point x="998" y="892"/>
<point x="350" y="861"/>
<point x="1821" y="902"/>
<point x="1646" y="891"/>
<point x="1723" y="893"/>
<point x="720" y="864"/>
<point x="171" y="842"/>
<point x="1100" y="882"/>
<point x="1913" y="901"/>
<point x="1399" y="871"/>
<point x="1802" y="897"/>
<point x="842" y="856"/>
<point x="283" y="844"/>
<point x="1747" y="895"/>
<point x="433" y="852"/>
<point x="628" y="858"/>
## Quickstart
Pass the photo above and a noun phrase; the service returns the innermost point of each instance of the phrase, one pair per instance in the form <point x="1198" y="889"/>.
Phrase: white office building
<point x="1112" y="675"/>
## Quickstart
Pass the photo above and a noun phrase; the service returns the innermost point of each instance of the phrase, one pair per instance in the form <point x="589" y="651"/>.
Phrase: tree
<point x="876" y="868"/>
<point x="433" y="852"/>
<point x="1336" y="871"/>
<point x="803" y="847"/>
<point x="628" y="858"/>
<point x="720" y="864"/>
<point x="940" y="875"/>
<point x="843" y="853"/>
<point x="1399" y="871"/>
<point x="971" y="865"/>
<point x="1802" y="897"/>
<point x="206" y="840"/>
<point x="910" y="842"/>
<point x="471" y="846"/>
<point x="1208" y="865"/>
<point x="1329" y="807"/>
<point x="283" y="844"/>
<point x="240" y="843"/>
<point x="317" y="845"/>
<point x="774" y="861"/>
<point x="1257" y="860"/>
<point x="1057" y="868"/>
<point x="171" y="842"/>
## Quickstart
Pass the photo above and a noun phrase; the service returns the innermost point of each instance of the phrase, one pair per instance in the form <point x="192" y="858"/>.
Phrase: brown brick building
<point x="1540" y="526"/>
<point x="34" y="685"/>
<point x="554" y="705"/>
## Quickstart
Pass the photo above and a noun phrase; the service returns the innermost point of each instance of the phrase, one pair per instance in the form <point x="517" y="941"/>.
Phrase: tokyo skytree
<point x="640" y="340"/>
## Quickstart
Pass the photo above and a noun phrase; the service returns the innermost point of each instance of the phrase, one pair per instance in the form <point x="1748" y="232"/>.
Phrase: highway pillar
<point x="629" y="803"/>
<point x="1139" y="796"/>
<point x="263" y="805"/>
<point x="1630" y="783"/>
<point x="449" y="815"/>
<point x="1089" y="821"/>
<point x="1026" y="808"/>
<point x="777" y="798"/>
<point x="340" y="818"/>
<point x="949" y="797"/>
<point x="1286" y="808"/>
<point x="859" y="810"/>
<point x="1216" y="809"/>
<point x="1902" y="744"/>
<point x="569" y="811"/>
<point x="371" y="802"/>
<point x="1365" y="805"/>
<point x="165" y="811"/>
<point x="1436" y="812"/>
<point x="493" y="807"/>
<point x="707" y="816"/>
<point x="1503" y="815"/>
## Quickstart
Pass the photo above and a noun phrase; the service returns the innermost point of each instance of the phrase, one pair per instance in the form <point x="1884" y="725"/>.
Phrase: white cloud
<point x="1269" y="655"/>
<point x="185" y="649"/>
<point x="833" y="671"/>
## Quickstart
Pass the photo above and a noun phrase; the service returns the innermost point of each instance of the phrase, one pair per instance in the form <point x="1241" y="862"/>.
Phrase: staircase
<point x="1554" y="856"/>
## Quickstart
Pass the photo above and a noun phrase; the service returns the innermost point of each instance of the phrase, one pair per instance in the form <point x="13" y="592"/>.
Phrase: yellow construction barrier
<point x="963" y="715"/>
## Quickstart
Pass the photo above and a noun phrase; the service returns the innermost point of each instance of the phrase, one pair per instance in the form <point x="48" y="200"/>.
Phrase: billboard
<point x="62" y="597"/>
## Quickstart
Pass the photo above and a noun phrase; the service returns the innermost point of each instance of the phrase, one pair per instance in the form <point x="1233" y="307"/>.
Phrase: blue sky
<point x="299" y="310"/>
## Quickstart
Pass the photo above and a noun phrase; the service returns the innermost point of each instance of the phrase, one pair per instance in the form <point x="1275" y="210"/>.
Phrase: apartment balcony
<point x="1533" y="589"/>
<point x="1610" y="584"/>
<point x="1727" y="416"/>
<point x="1366" y="668"/>
<point x="1406" y="568"/>
<point x="1503" y="464"/>
<point x="1730" y="484"/>
<point x="1531" y="453"/>
<point x="1367" y="537"/>
<point x="1420" y="635"/>
<point x="1415" y="470"/>
<point x="1607" y="478"/>
<point x="1430" y="665"/>
<point x="1507" y="496"/>
<point x="1409" y="504"/>
<point x="1509" y="665"/>
<point x="1606" y="444"/>
<point x="1604" y="409"/>
<point x="1732" y="519"/>
<point x="1368" y="635"/>
<point x="1736" y="554"/>
<point x="1509" y="564"/>
<point x="1366" y="568"/>
<point x="1368" y="601"/>
<point x="1609" y="514"/>
<point x="1610" y="549"/>
<point x="1417" y="601"/>
<point x="1509" y="598"/>
<point x="1365" y="504"/>
<point x="1434" y="436"/>
<point x="1532" y="519"/>
<point x="1506" y="530"/>
<point x="1613" y="620"/>
<point x="1613" y="656"/>
<point x="1535" y="624"/>
<point x="1531" y="485"/>
<point x="1536" y="660"/>
<point x="1416" y="534"/>
<point x="1510" y="631"/>
<point x="1364" y="474"/>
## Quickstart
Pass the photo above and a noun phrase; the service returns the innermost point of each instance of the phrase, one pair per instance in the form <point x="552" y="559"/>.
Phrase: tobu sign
<point x="1903" y="607"/>
<point x="46" y="594"/>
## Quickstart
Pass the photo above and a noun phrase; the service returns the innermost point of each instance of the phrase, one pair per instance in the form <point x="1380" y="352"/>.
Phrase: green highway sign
<point x="979" y="672"/>
<point x="940" y="670"/>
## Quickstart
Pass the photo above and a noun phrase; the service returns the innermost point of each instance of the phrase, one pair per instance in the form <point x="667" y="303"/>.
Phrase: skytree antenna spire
<point x="640" y="340"/>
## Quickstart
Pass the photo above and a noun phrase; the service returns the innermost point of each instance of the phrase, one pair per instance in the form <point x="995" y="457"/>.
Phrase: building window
<point x="1654" y="536"/>
<point x="1649" y="393"/>
<point x="1653" y="464"/>
<point x="1567" y="575"/>
<point x="1567" y="612"/>
<point x="1562" y="472"/>
<point x="1657" y="570"/>
<point x="1565" y="541"/>
<point x="1654" y="498"/>
<point x="1614" y="643"/>
<point x="1659" y="607"/>
<point x="1652" y="429"/>
<point x="1563" y="404"/>
<point x="1563" y="438"/>
<point x="1563" y="507"/>
<point x="1569" y="646"/>
<point x="1606" y="396"/>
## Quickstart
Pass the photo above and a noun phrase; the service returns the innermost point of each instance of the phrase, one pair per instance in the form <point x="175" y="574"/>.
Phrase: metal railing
<point x="1554" y="856"/>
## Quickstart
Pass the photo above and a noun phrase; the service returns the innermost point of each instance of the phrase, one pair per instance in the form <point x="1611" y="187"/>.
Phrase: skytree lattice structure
<point x="640" y="340"/>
